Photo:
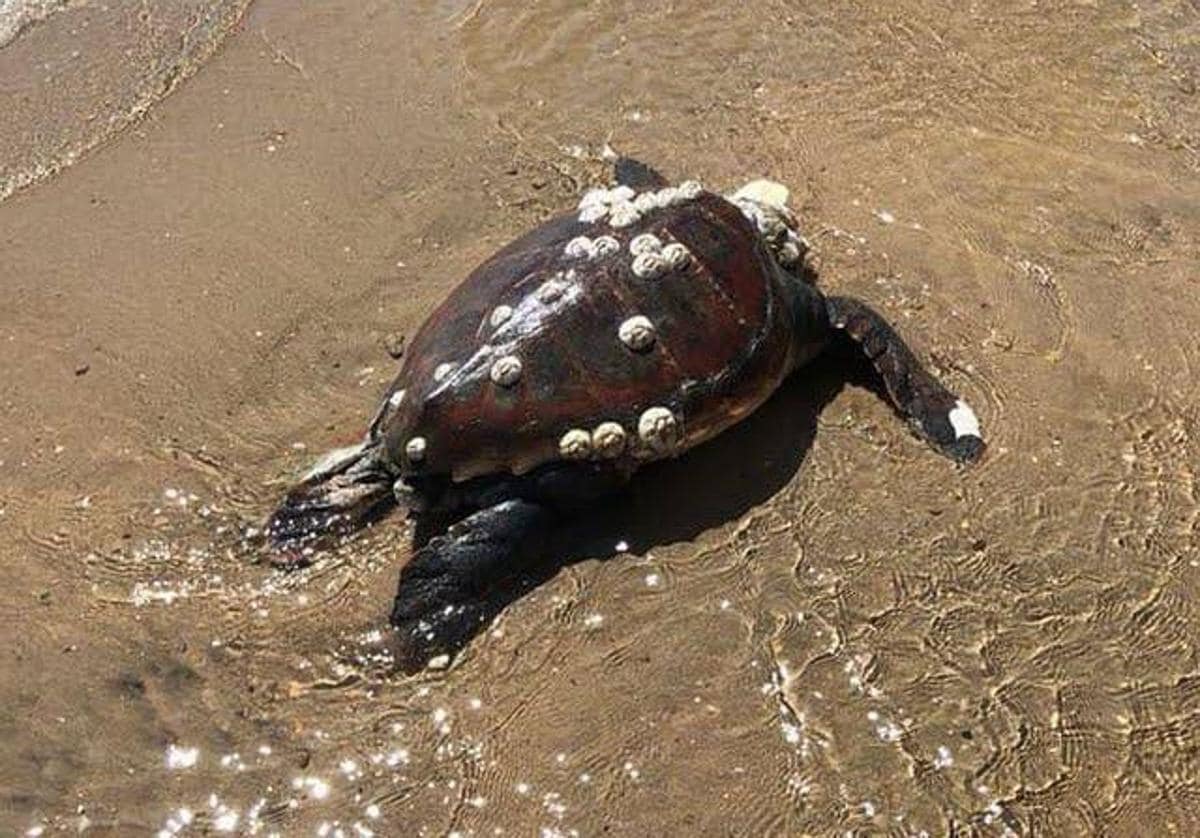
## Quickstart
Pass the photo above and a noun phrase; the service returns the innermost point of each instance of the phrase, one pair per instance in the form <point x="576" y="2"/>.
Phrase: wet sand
<point x="819" y="625"/>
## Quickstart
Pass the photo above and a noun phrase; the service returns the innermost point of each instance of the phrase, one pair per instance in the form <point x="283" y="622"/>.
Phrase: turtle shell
<point x="631" y="330"/>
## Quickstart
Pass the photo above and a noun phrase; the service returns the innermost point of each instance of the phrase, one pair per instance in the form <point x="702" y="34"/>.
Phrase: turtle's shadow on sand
<point x="708" y="487"/>
<point x="718" y="482"/>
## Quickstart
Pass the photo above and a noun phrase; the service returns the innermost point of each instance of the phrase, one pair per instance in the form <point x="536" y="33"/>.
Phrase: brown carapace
<point x="715" y="341"/>
<point x="634" y="328"/>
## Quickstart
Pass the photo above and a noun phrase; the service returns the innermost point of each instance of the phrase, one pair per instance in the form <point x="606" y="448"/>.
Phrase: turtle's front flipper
<point x="346" y="489"/>
<point x="637" y="175"/>
<point x="458" y="581"/>
<point x="938" y="415"/>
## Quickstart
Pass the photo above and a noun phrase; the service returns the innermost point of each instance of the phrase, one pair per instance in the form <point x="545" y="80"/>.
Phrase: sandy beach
<point x="219" y="220"/>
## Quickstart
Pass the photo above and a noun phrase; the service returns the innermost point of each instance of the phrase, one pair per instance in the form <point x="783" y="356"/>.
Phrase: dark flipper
<point x="938" y="415"/>
<point x="637" y="175"/>
<point x="457" y="582"/>
<point x="345" y="490"/>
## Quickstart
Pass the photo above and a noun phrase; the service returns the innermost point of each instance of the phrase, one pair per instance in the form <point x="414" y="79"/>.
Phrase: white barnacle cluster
<point x="658" y="433"/>
<point x="599" y="202"/>
<point x="964" y="421"/>
<point x="624" y="207"/>
<point x="583" y="247"/>
<point x="764" y="203"/>
<point x="652" y="259"/>
<point x="505" y="370"/>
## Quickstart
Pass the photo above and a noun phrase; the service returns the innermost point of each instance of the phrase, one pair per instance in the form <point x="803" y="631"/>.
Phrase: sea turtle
<point x="632" y="329"/>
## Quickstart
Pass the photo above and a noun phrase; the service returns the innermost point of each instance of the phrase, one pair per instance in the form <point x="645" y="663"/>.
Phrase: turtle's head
<point x="345" y="490"/>
<point x="764" y="203"/>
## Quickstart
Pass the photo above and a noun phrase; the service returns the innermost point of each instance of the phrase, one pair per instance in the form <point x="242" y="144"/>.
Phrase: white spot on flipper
<point x="964" y="420"/>
<point x="415" y="449"/>
<point x="506" y="370"/>
<point x="396" y="398"/>
<point x="575" y="444"/>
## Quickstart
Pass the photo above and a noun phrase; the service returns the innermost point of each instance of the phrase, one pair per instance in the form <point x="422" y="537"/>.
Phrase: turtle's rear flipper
<point x="344" y="491"/>
<point x="453" y="586"/>
<point x="938" y="415"/>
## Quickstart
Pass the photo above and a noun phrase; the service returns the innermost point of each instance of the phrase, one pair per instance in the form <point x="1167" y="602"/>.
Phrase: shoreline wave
<point x="17" y="15"/>
<point x="129" y="95"/>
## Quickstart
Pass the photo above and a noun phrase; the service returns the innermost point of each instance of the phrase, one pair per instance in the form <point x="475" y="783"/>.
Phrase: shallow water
<point x="817" y="625"/>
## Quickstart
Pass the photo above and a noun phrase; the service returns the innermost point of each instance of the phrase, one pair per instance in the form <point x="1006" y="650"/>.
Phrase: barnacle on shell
<point x="648" y="266"/>
<point x="442" y="371"/>
<point x="592" y="212"/>
<point x="608" y="440"/>
<point x="644" y="243"/>
<point x="668" y="196"/>
<point x="676" y="255"/>
<point x="658" y="429"/>
<point x="580" y="247"/>
<point x="646" y="202"/>
<point x="637" y="333"/>
<point x="604" y="246"/>
<point x="506" y="370"/>
<point x="551" y="290"/>
<point x="500" y="315"/>
<point x="595" y="197"/>
<point x="621" y="194"/>
<point x="623" y="215"/>
<point x="575" y="444"/>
